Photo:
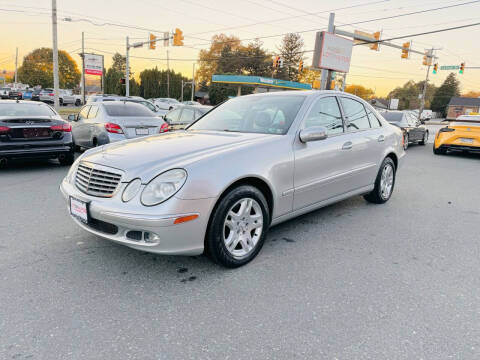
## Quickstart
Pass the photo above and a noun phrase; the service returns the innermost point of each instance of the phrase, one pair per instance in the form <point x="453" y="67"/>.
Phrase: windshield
<point x="22" y="109"/>
<point x="130" y="109"/>
<point x="265" y="114"/>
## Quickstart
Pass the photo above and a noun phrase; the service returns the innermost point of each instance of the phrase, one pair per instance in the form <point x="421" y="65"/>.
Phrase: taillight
<point x="64" y="128"/>
<point x="51" y="94"/>
<point x="113" y="128"/>
<point x="4" y="129"/>
<point x="163" y="128"/>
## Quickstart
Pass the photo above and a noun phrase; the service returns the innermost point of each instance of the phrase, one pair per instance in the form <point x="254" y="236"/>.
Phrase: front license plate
<point x="141" y="131"/>
<point x="466" y="140"/>
<point x="79" y="209"/>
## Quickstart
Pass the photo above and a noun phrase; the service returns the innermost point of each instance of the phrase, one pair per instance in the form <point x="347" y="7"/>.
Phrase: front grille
<point x="95" y="181"/>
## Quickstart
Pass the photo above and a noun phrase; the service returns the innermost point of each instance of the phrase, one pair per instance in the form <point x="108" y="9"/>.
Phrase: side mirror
<point x="72" y="117"/>
<point x="422" y="121"/>
<point x="313" y="133"/>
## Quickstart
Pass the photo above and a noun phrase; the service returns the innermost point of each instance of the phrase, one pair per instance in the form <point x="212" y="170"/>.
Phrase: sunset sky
<point x="26" y="24"/>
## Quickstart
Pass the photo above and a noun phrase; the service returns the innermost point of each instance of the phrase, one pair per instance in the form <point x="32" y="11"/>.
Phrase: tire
<point x="244" y="246"/>
<point x="378" y="195"/>
<point x="425" y="139"/>
<point x="67" y="160"/>
<point x="405" y="141"/>
<point x="78" y="102"/>
<point x="439" y="151"/>
<point x="60" y="102"/>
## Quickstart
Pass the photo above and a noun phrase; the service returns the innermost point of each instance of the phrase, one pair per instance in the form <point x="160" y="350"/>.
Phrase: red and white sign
<point x="94" y="64"/>
<point x="332" y="52"/>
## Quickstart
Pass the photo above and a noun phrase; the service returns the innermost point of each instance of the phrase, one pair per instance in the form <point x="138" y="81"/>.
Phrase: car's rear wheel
<point x="77" y="102"/>
<point x="238" y="227"/>
<point x="439" y="151"/>
<point x="405" y="141"/>
<point x="384" y="183"/>
<point x="66" y="159"/>
<point x="425" y="139"/>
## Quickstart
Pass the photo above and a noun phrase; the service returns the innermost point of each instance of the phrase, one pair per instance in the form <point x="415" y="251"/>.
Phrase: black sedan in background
<point x="32" y="130"/>
<point x="414" y="130"/>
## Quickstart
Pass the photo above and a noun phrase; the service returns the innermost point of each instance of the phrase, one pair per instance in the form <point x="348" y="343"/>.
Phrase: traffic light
<point x="406" y="50"/>
<point x="462" y="68"/>
<point x="427" y="58"/>
<point x="435" y="68"/>
<point x="280" y="62"/>
<point x="178" y="37"/>
<point x="375" y="46"/>
<point x="153" y="41"/>
<point x="276" y="61"/>
<point x="300" y="66"/>
<point x="122" y="81"/>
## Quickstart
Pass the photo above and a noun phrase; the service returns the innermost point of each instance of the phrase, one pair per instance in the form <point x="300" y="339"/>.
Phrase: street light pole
<point x="127" y="71"/>
<point x="55" y="53"/>
<point x="16" y="67"/>
<point x="83" y="67"/>
<point x="193" y="81"/>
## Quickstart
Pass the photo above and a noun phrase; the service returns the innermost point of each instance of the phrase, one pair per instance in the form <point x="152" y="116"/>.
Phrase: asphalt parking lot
<point x="350" y="281"/>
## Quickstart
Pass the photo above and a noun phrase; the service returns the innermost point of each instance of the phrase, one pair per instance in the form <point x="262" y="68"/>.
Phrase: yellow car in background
<point x="462" y="134"/>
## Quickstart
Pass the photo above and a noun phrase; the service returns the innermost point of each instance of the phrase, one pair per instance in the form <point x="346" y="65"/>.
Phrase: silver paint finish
<point x="301" y="177"/>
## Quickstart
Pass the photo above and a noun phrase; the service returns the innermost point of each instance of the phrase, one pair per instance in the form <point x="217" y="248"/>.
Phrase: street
<point x="350" y="281"/>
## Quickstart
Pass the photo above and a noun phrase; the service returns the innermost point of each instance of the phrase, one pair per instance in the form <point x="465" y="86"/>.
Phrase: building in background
<point x="462" y="106"/>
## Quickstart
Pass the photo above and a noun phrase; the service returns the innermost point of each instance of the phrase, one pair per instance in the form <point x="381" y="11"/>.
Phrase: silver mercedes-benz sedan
<point x="245" y="166"/>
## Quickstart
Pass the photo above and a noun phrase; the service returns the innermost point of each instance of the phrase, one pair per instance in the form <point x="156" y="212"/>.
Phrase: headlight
<point x="163" y="187"/>
<point x="71" y="173"/>
<point x="131" y="190"/>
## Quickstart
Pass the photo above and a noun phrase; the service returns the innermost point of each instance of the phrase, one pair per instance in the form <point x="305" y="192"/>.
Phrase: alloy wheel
<point x="386" y="181"/>
<point x="243" y="227"/>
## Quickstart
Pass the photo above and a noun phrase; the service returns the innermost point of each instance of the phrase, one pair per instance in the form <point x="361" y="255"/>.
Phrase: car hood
<point x="147" y="157"/>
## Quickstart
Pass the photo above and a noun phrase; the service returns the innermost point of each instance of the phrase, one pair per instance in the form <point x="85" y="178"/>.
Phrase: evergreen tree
<point x="291" y="51"/>
<point x="449" y="89"/>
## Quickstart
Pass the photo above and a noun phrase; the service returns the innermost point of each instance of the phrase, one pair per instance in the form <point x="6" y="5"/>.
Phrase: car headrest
<point x="263" y="120"/>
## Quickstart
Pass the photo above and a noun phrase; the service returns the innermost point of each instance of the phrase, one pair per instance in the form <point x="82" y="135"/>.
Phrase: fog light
<point x="151" y="238"/>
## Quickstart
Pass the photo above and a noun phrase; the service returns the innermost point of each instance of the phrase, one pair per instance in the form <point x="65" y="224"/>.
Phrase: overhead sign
<point x="332" y="52"/>
<point x="93" y="64"/>
<point x="450" y="67"/>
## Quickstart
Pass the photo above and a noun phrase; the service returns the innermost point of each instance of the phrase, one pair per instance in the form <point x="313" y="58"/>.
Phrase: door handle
<point x="347" y="146"/>
<point x="381" y="138"/>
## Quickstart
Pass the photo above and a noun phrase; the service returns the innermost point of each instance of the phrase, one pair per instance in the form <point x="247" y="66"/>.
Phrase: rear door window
<point x="187" y="115"/>
<point x="355" y="114"/>
<point x="173" y="116"/>
<point x="93" y="112"/>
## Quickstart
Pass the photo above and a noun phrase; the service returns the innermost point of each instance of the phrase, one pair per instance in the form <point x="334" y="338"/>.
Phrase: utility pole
<point x="182" y="91"/>
<point x="168" y="76"/>
<point x="430" y="60"/>
<point x="127" y="71"/>
<point x="55" y="53"/>
<point x="193" y="82"/>
<point x="16" y="67"/>
<point x="327" y="74"/>
<point x="83" y="67"/>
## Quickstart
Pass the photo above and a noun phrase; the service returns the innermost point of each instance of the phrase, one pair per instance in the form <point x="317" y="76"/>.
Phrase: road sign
<point x="449" y="67"/>
<point x="93" y="64"/>
<point x="332" y="52"/>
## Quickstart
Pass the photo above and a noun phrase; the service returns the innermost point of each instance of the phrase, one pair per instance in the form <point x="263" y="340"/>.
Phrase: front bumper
<point x="113" y="220"/>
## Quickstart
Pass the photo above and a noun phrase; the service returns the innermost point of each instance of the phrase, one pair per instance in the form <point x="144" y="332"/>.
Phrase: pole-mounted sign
<point x="332" y="52"/>
<point x="94" y="64"/>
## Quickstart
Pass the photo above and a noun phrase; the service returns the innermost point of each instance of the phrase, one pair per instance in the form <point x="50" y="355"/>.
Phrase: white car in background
<point x="166" y="103"/>
<point x="4" y="92"/>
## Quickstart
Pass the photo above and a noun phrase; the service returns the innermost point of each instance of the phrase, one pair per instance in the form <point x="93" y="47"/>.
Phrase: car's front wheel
<point x="384" y="183"/>
<point x="238" y="227"/>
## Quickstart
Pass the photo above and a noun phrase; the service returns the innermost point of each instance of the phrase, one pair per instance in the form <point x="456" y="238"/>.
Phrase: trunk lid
<point x="29" y="128"/>
<point x="139" y="126"/>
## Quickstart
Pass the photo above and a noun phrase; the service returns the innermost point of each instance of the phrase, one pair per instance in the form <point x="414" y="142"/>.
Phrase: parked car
<point x="462" y="134"/>
<point x="106" y="122"/>
<point x="166" y="103"/>
<point x="4" y="93"/>
<point x="36" y="94"/>
<point x="110" y="97"/>
<point x="15" y="94"/>
<point x="248" y="164"/>
<point x="33" y="130"/>
<point x="27" y="94"/>
<point x="414" y="131"/>
<point x="191" y="103"/>
<point x="66" y="97"/>
<point x="47" y="96"/>
<point x="184" y="115"/>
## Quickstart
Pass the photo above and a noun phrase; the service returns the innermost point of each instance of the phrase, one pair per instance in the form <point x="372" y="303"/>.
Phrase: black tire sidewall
<point x="214" y="244"/>
<point x="375" y="196"/>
